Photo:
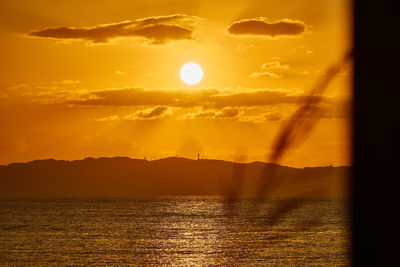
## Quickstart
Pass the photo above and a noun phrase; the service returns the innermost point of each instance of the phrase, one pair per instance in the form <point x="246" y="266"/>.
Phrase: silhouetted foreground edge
<point x="376" y="134"/>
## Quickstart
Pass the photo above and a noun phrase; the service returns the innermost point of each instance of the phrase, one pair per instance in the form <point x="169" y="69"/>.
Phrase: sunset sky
<point x="101" y="78"/>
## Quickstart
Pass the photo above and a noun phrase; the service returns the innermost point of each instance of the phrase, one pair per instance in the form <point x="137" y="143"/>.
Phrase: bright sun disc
<point x="191" y="73"/>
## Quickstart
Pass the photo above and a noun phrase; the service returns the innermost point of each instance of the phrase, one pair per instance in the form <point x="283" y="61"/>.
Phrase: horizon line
<point x="172" y="157"/>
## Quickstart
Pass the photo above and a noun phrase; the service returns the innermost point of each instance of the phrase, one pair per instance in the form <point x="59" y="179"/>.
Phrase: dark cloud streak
<point x="158" y="30"/>
<point x="156" y="112"/>
<point x="183" y="98"/>
<point x="262" y="27"/>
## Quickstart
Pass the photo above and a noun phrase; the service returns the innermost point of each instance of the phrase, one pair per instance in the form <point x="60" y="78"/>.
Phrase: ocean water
<point x="177" y="231"/>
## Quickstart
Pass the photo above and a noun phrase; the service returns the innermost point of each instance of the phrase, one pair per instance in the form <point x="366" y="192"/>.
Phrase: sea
<point x="174" y="231"/>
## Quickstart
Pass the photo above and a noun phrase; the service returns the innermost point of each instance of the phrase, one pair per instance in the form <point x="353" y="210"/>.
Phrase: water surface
<point x="174" y="231"/>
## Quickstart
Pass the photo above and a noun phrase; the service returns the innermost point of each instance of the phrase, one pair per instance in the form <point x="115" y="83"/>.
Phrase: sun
<point x="191" y="73"/>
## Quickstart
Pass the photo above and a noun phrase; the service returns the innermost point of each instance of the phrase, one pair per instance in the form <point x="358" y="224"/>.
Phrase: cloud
<point x="45" y="144"/>
<point x="210" y="98"/>
<point x="143" y="97"/>
<point x="43" y="87"/>
<point x="261" y="27"/>
<point x="227" y="103"/>
<point x="148" y="114"/>
<point x="228" y="113"/>
<point x="243" y="48"/>
<point x="273" y="116"/>
<point x="267" y="74"/>
<point x="190" y="146"/>
<point x="185" y="98"/>
<point x="107" y="119"/>
<point x="332" y="110"/>
<point x="42" y="92"/>
<point x="298" y="49"/>
<point x="225" y="113"/>
<point x="274" y="65"/>
<point x="156" y="30"/>
<point x="158" y="111"/>
<point x="119" y="72"/>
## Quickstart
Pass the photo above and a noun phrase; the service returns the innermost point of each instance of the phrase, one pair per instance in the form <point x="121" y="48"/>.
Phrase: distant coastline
<point x="127" y="177"/>
<point x="167" y="158"/>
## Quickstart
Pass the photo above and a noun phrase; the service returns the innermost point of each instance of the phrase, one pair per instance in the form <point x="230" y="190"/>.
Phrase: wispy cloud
<point x="274" y="65"/>
<point x="119" y="72"/>
<point x="225" y="113"/>
<point x="148" y="114"/>
<point x="108" y="118"/>
<point x="184" y="98"/>
<point x="267" y="67"/>
<point x="265" y="74"/>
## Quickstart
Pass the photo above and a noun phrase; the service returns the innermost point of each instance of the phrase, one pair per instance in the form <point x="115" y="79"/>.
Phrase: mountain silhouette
<point x="126" y="177"/>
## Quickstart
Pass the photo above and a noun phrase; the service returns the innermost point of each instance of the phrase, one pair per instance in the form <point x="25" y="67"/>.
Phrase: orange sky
<point x="101" y="78"/>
